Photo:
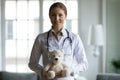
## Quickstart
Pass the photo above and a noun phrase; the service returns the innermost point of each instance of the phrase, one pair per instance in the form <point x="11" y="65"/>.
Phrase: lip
<point x="56" y="22"/>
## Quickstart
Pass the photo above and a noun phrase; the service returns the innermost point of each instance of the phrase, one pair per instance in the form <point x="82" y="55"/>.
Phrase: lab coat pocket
<point x="68" y="51"/>
<point x="65" y="78"/>
<point x="68" y="56"/>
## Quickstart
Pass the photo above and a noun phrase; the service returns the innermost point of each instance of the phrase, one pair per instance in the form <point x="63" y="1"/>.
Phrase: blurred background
<point x="22" y="20"/>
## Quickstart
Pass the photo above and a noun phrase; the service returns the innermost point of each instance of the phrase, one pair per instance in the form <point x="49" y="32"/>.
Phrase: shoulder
<point x="73" y="35"/>
<point x="41" y="36"/>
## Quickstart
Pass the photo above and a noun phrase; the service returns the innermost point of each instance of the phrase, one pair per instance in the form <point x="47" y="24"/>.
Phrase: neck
<point x="57" y="31"/>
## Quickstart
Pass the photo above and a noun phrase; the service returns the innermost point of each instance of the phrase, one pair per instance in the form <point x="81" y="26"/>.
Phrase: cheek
<point x="62" y="20"/>
<point x="51" y="20"/>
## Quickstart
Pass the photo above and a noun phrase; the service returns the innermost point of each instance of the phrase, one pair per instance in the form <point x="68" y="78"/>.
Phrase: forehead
<point x="56" y="53"/>
<point x="57" y="10"/>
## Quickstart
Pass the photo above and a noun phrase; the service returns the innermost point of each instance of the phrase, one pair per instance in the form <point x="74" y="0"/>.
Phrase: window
<point x="22" y="25"/>
<point x="9" y="29"/>
<point x="21" y="21"/>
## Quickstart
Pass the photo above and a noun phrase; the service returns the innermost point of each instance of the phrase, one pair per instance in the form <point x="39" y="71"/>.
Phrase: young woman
<point x="58" y="38"/>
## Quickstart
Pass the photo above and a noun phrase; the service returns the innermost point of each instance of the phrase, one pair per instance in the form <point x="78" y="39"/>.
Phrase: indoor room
<point x="95" y="21"/>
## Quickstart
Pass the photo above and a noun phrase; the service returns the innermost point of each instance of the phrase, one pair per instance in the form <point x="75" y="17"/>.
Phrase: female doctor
<point x="58" y="38"/>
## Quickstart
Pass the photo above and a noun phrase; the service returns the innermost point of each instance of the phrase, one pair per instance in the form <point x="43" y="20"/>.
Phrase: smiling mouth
<point x="57" y="23"/>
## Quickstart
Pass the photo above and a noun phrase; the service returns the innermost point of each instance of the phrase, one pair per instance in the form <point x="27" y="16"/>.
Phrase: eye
<point x="60" y="15"/>
<point x="53" y="55"/>
<point x="52" y="15"/>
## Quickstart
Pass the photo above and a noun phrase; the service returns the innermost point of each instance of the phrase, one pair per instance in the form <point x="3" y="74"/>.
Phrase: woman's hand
<point x="43" y="73"/>
<point x="58" y="75"/>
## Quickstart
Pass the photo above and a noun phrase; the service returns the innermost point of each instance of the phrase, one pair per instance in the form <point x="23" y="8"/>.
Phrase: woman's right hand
<point x="43" y="73"/>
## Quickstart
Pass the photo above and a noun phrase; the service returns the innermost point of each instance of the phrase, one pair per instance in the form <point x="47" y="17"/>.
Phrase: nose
<point x="56" y="59"/>
<point x="56" y="18"/>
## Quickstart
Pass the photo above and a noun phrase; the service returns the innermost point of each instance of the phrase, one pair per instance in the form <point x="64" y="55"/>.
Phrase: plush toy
<point x="56" y="67"/>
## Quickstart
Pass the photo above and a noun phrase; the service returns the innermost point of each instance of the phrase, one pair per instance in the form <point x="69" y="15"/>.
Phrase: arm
<point x="64" y="65"/>
<point x="47" y="67"/>
<point x="35" y="56"/>
<point x="80" y="56"/>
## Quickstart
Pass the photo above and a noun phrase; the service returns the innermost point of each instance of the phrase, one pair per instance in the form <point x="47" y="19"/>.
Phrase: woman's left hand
<point x="58" y="76"/>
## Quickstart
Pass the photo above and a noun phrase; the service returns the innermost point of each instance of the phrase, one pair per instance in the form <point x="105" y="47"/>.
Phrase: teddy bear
<point x="56" y="67"/>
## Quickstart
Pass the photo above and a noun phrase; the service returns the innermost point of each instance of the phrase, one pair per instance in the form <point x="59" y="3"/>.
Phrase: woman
<point x="58" y="38"/>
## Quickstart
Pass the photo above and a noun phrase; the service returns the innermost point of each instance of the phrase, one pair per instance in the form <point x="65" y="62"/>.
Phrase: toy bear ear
<point x="62" y="50"/>
<point x="49" y="54"/>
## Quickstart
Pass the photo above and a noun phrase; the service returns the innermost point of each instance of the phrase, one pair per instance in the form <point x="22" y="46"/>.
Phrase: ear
<point x="49" y="54"/>
<point x="62" y="51"/>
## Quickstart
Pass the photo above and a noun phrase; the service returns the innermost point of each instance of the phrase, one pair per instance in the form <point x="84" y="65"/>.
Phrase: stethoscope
<point x="68" y="37"/>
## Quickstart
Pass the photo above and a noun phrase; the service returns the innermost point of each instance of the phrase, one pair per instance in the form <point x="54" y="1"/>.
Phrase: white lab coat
<point x="75" y="51"/>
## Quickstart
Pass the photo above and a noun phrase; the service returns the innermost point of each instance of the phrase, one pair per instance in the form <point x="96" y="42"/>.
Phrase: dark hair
<point x="58" y="5"/>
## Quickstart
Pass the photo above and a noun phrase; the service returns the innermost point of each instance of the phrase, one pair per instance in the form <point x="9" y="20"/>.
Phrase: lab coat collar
<point x="63" y="32"/>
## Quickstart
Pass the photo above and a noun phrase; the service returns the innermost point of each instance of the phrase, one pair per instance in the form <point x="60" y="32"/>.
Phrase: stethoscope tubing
<point x="68" y="37"/>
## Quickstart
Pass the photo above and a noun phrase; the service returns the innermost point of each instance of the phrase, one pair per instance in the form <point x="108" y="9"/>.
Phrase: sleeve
<point x="35" y="57"/>
<point x="80" y="56"/>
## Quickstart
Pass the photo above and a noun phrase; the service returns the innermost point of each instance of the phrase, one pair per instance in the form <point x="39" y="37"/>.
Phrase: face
<point x="57" y="17"/>
<point x="56" y="57"/>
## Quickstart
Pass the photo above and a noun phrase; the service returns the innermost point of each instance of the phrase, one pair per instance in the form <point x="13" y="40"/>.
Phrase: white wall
<point x="113" y="31"/>
<point x="90" y="13"/>
<point x="1" y="36"/>
<point x="0" y="39"/>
